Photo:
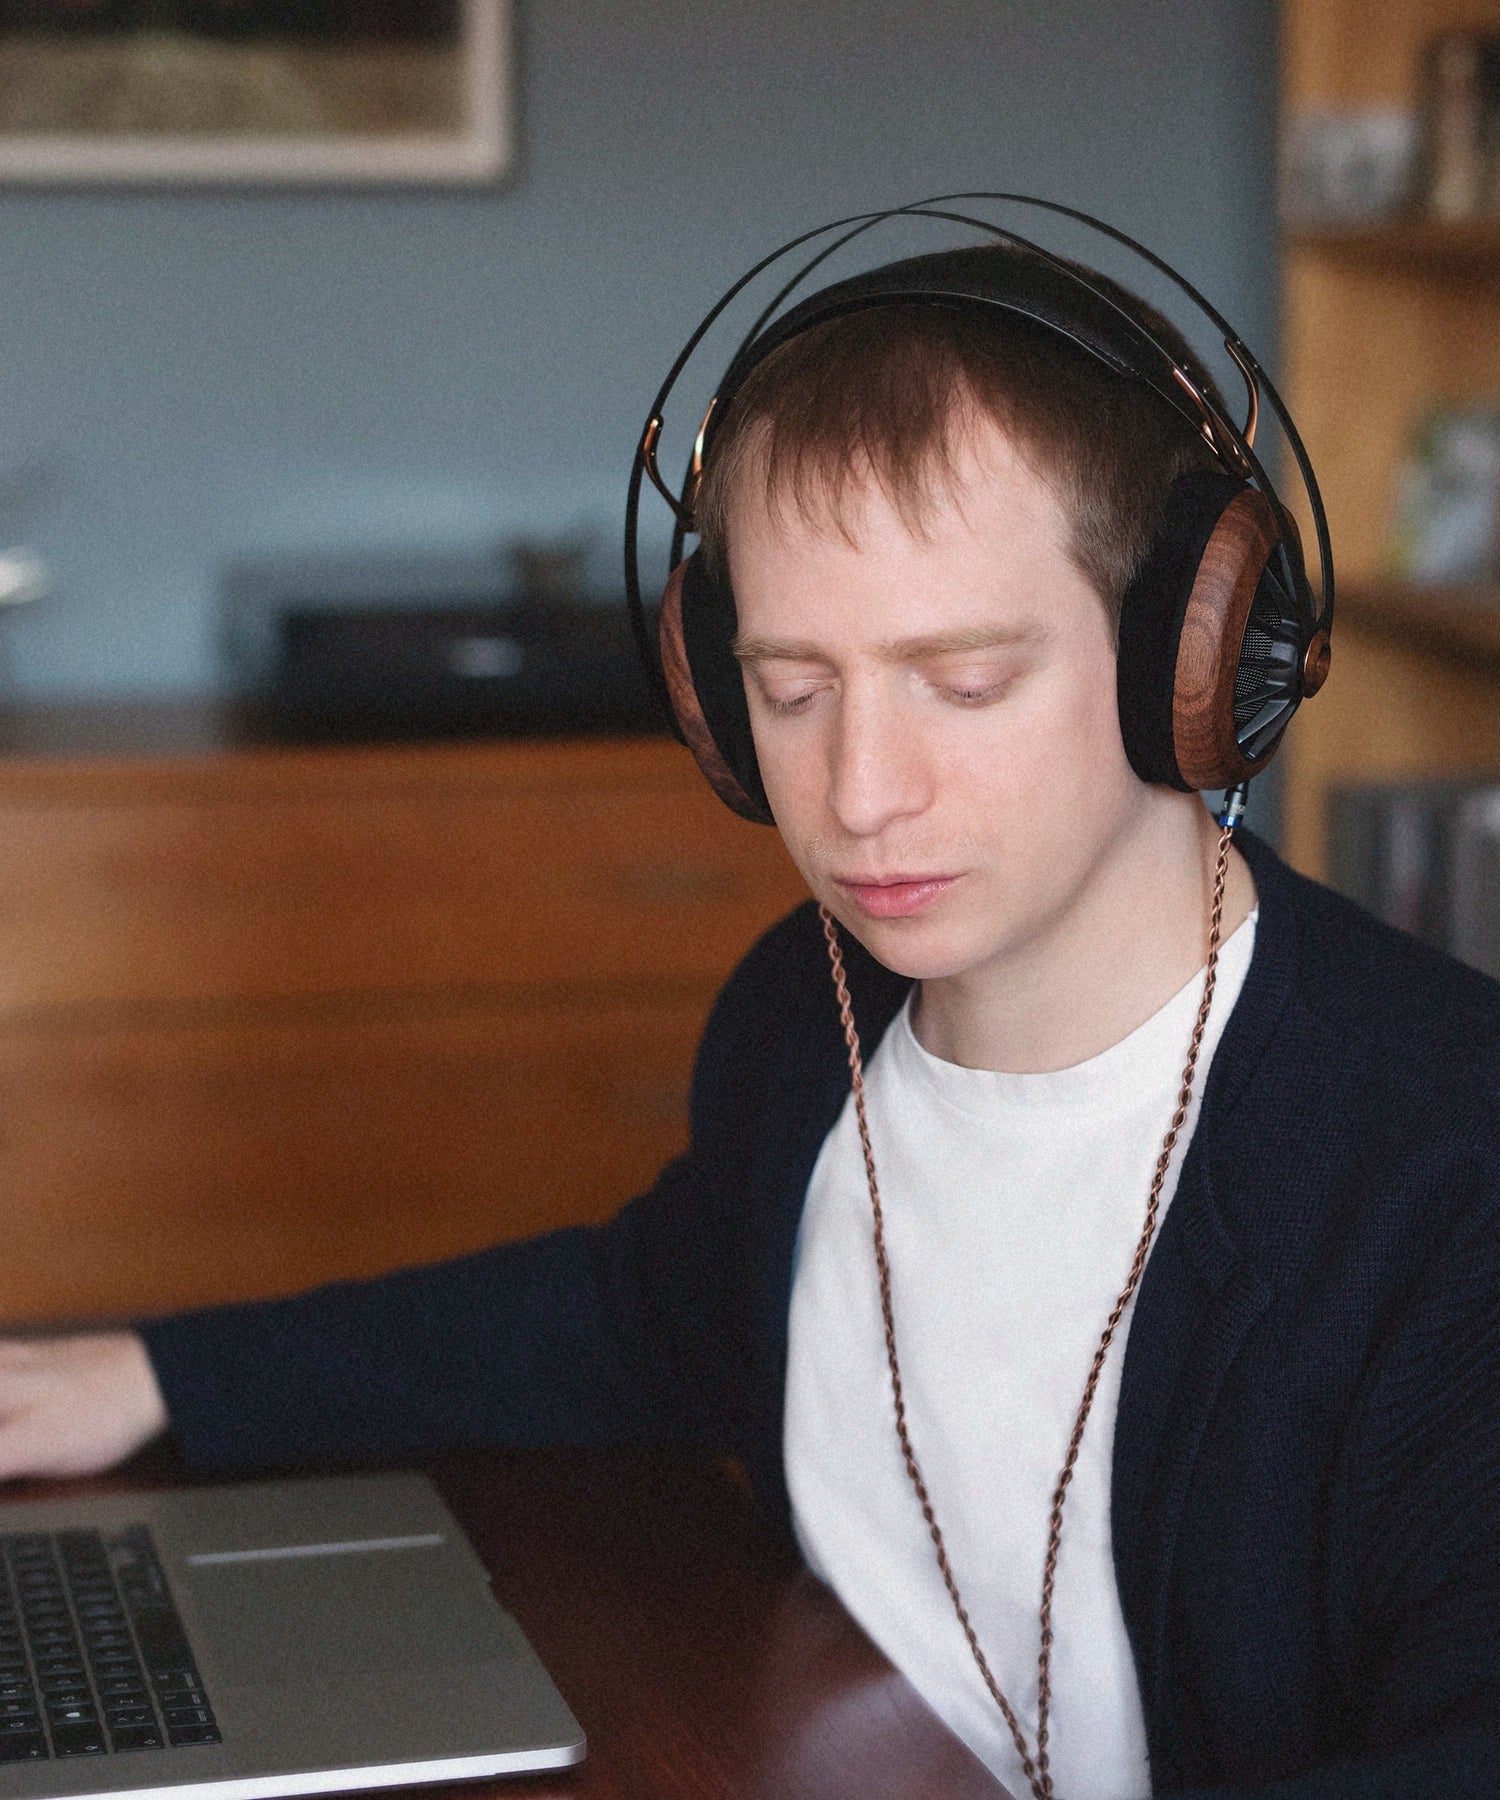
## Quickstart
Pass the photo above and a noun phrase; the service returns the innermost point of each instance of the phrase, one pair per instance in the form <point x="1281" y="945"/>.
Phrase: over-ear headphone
<point x="1220" y="636"/>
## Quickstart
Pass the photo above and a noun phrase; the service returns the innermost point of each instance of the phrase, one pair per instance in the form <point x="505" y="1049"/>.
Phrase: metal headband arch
<point x="1208" y="417"/>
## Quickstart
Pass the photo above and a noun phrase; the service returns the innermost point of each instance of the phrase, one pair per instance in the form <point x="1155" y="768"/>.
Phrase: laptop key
<point x="115" y="1716"/>
<point x="186" y="1715"/>
<point x="23" y="1747"/>
<point x="136" y="1737"/>
<point x="21" y="1722"/>
<point x="167" y="1680"/>
<point x="79" y="1740"/>
<point x="59" y="1698"/>
<point x="194" y="1734"/>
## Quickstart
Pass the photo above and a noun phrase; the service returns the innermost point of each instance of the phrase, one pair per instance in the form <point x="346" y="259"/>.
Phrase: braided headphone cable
<point x="1036" y="1768"/>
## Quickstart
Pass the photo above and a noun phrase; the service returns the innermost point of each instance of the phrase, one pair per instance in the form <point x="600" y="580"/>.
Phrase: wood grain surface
<point x="275" y="1015"/>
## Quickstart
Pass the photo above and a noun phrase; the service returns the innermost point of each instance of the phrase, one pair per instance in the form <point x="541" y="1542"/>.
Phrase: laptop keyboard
<point x="93" y="1656"/>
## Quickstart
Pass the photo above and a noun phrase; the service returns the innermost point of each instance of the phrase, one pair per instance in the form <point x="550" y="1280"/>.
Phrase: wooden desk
<point x="702" y="1661"/>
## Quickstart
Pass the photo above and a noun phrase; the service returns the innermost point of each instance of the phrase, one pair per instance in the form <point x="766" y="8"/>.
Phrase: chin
<point x="921" y="949"/>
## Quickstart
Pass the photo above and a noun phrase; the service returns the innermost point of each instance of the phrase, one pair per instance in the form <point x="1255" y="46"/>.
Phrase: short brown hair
<point x="888" y="390"/>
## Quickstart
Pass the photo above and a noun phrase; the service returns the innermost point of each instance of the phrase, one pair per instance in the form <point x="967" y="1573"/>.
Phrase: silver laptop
<point x="301" y="1637"/>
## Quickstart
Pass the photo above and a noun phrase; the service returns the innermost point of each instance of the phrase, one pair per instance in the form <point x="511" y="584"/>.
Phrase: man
<point x="1278" y="1568"/>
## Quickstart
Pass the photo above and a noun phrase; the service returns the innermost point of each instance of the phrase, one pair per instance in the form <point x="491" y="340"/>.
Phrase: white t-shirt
<point x="1013" y="1205"/>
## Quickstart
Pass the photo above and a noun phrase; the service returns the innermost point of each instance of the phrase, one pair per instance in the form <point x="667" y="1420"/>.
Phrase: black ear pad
<point x="1151" y="618"/>
<point x="1211" y="644"/>
<point x="715" y="707"/>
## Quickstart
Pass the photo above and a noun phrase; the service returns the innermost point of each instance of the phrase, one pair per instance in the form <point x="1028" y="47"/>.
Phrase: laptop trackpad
<point x="289" y="1618"/>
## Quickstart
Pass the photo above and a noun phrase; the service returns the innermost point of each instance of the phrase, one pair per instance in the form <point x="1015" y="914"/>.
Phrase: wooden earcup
<point x="1218" y="607"/>
<point x="682" y="689"/>
<point x="1202" y="700"/>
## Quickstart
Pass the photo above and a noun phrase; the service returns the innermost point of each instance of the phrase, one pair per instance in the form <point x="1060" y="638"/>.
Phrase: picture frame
<point x="256" y="92"/>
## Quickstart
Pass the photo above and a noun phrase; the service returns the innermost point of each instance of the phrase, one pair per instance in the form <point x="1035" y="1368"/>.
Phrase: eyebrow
<point x="912" y="649"/>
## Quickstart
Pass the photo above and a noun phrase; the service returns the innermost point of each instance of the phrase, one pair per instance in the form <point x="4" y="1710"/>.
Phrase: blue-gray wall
<point x="221" y="373"/>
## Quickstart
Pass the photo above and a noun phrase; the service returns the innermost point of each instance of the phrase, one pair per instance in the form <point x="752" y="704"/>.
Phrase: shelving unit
<point x="1381" y="322"/>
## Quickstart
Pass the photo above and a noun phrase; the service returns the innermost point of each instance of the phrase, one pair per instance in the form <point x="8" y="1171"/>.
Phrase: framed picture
<point x="255" y="91"/>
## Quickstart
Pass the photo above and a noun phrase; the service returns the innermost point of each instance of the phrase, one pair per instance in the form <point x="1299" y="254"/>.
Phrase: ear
<point x="723" y="692"/>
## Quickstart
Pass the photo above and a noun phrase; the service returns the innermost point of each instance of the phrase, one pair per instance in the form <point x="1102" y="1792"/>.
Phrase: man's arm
<point x="74" y="1405"/>
<point x="513" y="1345"/>
<point x="599" y="1334"/>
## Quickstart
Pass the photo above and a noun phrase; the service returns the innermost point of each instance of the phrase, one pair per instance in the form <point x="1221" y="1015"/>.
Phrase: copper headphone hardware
<point x="1316" y="664"/>
<point x="646" y="456"/>
<point x="1211" y="430"/>
<point x="1252" y="391"/>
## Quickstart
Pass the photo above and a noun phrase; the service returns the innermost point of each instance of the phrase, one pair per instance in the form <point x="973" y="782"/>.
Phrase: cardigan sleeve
<point x="634" y="1331"/>
<point x="605" y="1334"/>
<point x="513" y="1345"/>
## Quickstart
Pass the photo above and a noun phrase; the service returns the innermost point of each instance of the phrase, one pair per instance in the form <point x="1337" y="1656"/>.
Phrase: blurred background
<point x="350" y="912"/>
<point x="193" y="376"/>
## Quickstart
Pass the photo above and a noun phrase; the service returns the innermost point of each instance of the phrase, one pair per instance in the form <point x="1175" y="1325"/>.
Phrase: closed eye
<point x="973" y="685"/>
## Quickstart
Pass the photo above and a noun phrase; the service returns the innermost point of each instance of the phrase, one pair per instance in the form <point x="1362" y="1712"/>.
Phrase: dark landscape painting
<point x="297" y="87"/>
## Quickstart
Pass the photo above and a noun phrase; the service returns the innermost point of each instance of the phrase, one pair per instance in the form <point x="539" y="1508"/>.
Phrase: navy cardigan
<point x="1306" y="1480"/>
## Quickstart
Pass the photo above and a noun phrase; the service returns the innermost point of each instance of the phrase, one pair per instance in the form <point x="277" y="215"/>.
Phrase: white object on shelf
<point x="1346" y="165"/>
<point x="24" y="577"/>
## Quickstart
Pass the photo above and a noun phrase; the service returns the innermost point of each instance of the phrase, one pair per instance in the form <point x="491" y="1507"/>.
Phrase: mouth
<point x="894" y="896"/>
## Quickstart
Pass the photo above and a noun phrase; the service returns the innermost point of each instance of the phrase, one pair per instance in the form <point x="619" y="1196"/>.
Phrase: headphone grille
<point x="1267" y="678"/>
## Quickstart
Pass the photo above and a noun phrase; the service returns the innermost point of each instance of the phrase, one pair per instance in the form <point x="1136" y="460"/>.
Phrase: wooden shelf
<point x="1459" y="622"/>
<point x="1383" y="320"/>
<point x="1461" y="247"/>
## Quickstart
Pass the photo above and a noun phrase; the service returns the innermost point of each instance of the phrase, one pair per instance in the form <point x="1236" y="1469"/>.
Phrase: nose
<point x="877" y="772"/>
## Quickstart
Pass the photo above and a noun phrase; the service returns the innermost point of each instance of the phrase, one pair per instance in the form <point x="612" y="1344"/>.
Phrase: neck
<point x="1133" y="934"/>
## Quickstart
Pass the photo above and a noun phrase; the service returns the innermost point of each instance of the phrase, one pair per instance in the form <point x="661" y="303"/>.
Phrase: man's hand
<point x="73" y="1405"/>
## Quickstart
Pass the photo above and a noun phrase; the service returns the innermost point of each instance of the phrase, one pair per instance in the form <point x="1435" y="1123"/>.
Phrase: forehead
<point x="989" y="543"/>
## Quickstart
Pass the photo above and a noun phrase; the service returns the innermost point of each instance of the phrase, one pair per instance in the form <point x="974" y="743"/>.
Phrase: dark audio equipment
<point x="363" y="648"/>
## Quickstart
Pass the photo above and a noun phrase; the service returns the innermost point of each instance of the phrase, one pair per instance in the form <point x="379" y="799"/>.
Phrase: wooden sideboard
<point x="272" y="1015"/>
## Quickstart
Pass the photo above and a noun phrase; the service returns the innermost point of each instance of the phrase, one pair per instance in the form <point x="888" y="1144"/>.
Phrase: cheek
<point x="795" y="787"/>
<point x="1062" y="741"/>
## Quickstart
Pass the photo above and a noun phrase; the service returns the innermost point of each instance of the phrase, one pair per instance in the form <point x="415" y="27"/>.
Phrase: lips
<point x="894" y="896"/>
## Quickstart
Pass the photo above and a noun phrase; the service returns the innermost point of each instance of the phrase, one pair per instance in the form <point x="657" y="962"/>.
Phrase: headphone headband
<point x="1220" y="635"/>
<point x="1222" y="431"/>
